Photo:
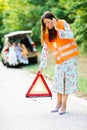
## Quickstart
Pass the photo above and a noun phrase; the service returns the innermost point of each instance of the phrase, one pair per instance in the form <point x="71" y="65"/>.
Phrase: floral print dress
<point x="65" y="76"/>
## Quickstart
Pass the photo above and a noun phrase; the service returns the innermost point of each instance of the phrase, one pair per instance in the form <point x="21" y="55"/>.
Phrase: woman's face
<point x="48" y="23"/>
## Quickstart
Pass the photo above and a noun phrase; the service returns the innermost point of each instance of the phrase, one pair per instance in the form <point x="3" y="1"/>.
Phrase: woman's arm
<point x="67" y="33"/>
<point x="43" y="62"/>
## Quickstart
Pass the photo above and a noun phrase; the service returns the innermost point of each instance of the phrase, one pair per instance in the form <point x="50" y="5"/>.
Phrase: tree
<point x="26" y="14"/>
<point x="80" y="24"/>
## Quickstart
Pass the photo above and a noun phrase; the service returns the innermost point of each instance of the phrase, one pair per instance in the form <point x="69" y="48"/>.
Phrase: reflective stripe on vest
<point x="67" y="46"/>
<point x="58" y="51"/>
<point x="63" y="47"/>
<point x="67" y="53"/>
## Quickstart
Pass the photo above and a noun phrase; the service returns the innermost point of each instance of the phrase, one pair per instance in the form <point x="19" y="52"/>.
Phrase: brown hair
<point x="52" y="33"/>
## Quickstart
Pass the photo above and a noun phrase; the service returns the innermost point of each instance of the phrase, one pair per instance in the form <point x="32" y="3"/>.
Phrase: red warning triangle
<point x="39" y="87"/>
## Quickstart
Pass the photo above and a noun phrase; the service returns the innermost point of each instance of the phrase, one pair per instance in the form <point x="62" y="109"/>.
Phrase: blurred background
<point x="25" y="15"/>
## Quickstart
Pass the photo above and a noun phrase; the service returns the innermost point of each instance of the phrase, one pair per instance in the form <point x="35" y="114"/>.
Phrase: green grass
<point x="82" y="84"/>
<point x="82" y="51"/>
<point x="49" y="72"/>
<point x="0" y="56"/>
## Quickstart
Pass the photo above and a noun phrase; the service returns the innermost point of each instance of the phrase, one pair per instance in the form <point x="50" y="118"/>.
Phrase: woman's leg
<point x="59" y="100"/>
<point x="64" y="102"/>
<point x="64" y="96"/>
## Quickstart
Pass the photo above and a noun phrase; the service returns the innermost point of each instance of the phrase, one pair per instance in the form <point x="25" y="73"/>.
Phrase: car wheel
<point x="3" y="61"/>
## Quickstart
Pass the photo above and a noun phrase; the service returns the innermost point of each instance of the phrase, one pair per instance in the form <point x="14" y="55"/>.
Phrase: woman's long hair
<point x="52" y="33"/>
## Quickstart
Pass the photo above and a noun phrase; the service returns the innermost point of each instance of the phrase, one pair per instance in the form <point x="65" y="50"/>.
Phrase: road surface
<point x="20" y="113"/>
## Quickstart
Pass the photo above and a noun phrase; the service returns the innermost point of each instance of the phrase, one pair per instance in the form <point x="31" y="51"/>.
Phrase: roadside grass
<point x="82" y="83"/>
<point x="49" y="73"/>
<point x="82" y="87"/>
<point x="0" y="56"/>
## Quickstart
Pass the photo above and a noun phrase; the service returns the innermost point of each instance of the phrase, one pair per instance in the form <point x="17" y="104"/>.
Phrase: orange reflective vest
<point x="62" y="49"/>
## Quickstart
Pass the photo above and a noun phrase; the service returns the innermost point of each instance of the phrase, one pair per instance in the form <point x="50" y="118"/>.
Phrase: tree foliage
<point x="80" y="24"/>
<point x="26" y="14"/>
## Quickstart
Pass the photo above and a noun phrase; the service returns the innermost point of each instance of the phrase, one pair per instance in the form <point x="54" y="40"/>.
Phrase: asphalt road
<point x="20" y="113"/>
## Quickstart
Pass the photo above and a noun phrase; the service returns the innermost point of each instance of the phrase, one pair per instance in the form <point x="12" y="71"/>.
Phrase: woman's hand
<point x="40" y="71"/>
<point x="54" y="21"/>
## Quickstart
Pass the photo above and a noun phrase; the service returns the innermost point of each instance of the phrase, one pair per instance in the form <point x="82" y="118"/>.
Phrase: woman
<point x="57" y="36"/>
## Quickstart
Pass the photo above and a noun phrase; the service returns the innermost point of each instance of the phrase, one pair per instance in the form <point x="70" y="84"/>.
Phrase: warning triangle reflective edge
<point x="32" y="93"/>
